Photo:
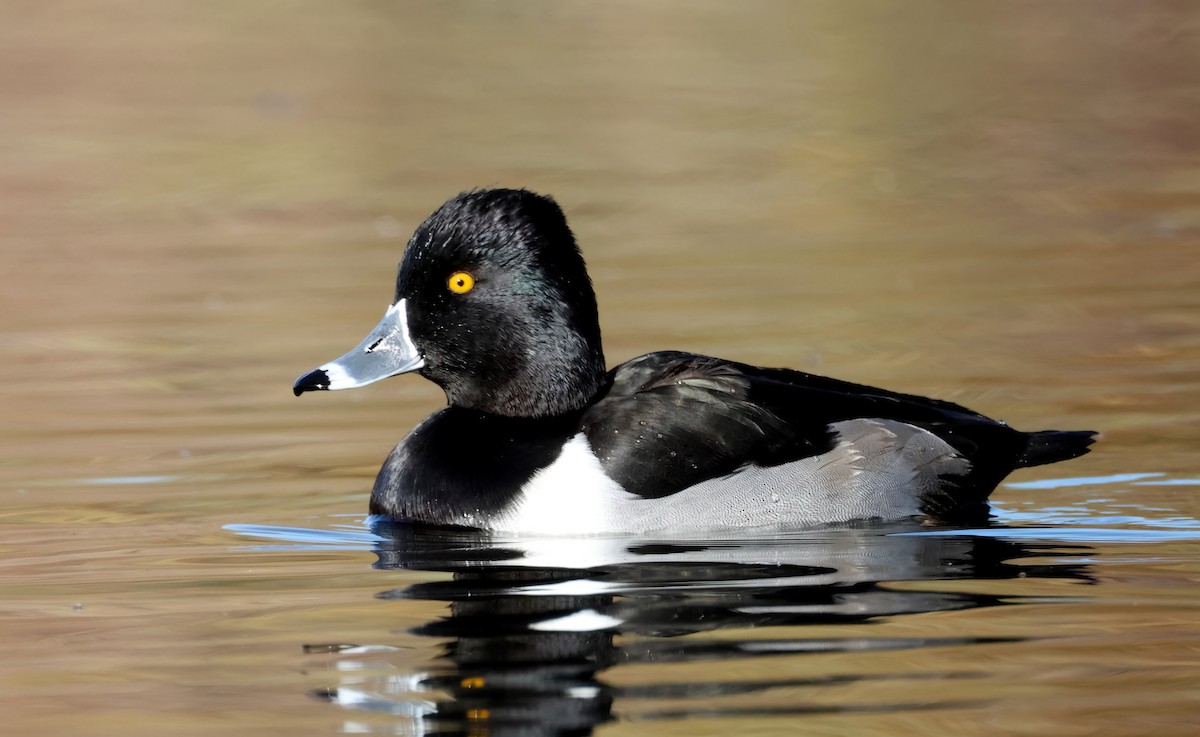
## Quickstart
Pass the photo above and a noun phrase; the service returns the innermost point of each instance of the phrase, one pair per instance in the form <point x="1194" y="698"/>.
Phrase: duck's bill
<point x="388" y="350"/>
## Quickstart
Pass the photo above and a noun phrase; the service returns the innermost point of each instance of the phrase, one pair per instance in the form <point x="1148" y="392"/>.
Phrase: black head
<point x="500" y="306"/>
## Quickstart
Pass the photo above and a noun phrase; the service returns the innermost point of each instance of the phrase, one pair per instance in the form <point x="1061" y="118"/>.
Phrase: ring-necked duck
<point x="494" y="305"/>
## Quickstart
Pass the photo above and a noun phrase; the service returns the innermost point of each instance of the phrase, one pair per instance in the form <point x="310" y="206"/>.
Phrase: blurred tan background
<point x="994" y="203"/>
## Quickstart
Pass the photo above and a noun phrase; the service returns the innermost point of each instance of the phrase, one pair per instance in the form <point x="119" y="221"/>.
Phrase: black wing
<point x="693" y="418"/>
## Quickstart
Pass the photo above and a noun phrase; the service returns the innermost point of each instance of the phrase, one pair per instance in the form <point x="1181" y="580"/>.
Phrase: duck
<point x="493" y="303"/>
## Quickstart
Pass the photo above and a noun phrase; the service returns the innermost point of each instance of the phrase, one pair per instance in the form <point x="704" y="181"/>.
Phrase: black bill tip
<point x="311" y="382"/>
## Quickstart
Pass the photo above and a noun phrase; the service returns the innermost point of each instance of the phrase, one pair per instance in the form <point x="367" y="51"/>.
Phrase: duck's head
<point x="493" y="304"/>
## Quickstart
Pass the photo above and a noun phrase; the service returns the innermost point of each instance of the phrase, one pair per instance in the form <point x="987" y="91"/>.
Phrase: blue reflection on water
<point x="1119" y="478"/>
<point x="303" y="538"/>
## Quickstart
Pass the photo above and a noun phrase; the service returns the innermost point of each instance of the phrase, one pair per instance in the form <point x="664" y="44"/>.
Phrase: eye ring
<point x="460" y="282"/>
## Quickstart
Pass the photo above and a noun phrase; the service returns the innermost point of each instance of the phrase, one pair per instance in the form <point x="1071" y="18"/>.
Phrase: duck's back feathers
<point x="672" y="420"/>
<point x="696" y="418"/>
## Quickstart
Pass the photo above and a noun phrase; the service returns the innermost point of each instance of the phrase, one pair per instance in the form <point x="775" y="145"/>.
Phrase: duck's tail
<point x="1051" y="446"/>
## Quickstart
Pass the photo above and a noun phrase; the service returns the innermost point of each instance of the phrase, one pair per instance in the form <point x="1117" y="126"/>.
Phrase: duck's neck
<point x="546" y="379"/>
<point x="544" y="385"/>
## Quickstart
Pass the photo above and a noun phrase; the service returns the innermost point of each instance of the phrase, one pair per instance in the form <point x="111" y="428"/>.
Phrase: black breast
<point x="465" y="467"/>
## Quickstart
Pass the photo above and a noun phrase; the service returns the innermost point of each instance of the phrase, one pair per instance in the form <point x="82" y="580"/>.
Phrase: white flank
<point x="571" y="496"/>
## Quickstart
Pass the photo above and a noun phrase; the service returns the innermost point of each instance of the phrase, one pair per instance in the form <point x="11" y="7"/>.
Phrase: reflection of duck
<point x="527" y="641"/>
<point x="493" y="303"/>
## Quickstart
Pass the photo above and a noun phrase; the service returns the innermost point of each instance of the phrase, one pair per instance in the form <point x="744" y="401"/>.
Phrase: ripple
<point x="305" y="538"/>
<point x="1063" y="483"/>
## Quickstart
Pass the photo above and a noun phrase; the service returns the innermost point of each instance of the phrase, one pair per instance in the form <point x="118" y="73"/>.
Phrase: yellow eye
<point x="460" y="282"/>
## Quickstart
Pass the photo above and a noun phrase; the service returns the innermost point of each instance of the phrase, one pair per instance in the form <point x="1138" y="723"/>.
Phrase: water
<point x="556" y="636"/>
<point x="998" y="206"/>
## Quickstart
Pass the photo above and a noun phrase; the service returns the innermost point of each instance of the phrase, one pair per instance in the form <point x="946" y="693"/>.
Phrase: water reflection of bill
<point x="533" y="625"/>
